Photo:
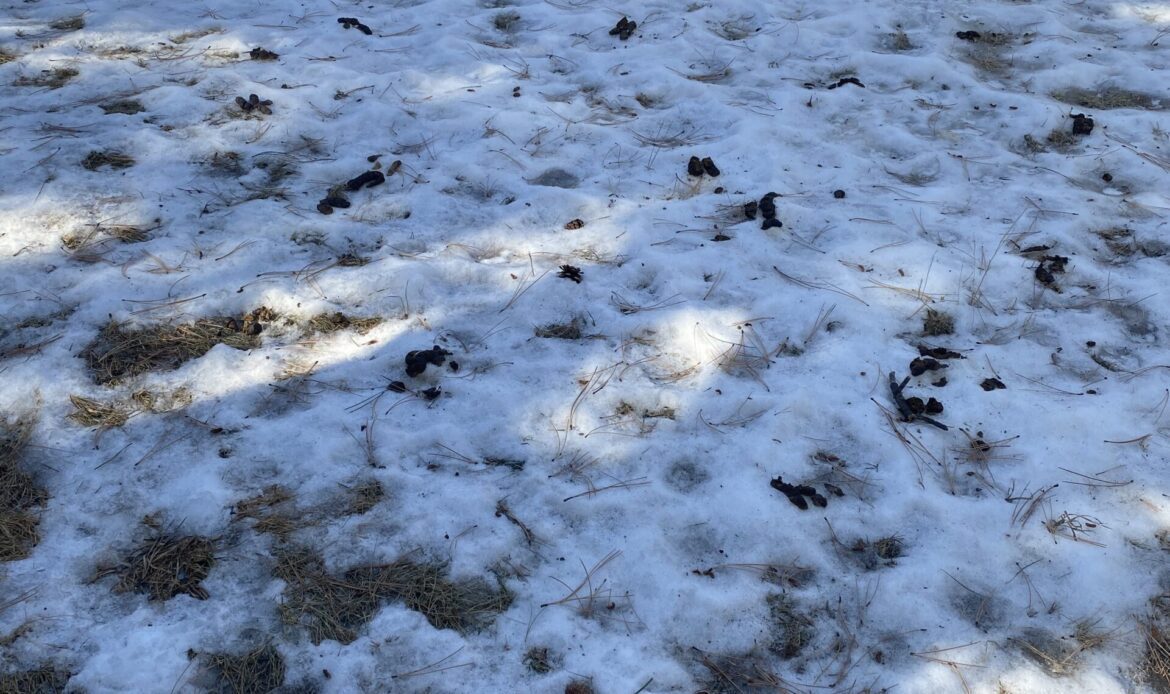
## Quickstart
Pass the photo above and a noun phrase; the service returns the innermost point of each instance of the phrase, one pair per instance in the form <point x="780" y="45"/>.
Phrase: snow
<point x="766" y="354"/>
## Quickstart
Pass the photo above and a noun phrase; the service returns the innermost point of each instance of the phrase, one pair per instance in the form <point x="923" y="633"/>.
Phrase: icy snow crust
<point x="713" y="356"/>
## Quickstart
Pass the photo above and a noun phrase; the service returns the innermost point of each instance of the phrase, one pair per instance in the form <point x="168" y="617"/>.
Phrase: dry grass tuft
<point x="1155" y="665"/>
<point x="366" y="497"/>
<point x="735" y="28"/>
<point x="1104" y="98"/>
<point x="507" y="21"/>
<point x="1058" y="657"/>
<point x="326" y="323"/>
<point x="938" y="323"/>
<point x="92" y="413"/>
<point x="258" y="672"/>
<point x="899" y="41"/>
<point x="580" y="687"/>
<point x="163" y="567"/>
<point x="732" y="674"/>
<point x="337" y="606"/>
<point x="18" y="493"/>
<point x="539" y="660"/>
<point x="1061" y="140"/>
<point x="118" y="353"/>
<point x="75" y="23"/>
<point x="124" y="106"/>
<point x="792" y="630"/>
<point x="53" y="79"/>
<point x="6" y="57"/>
<point x="560" y="331"/>
<point x="262" y="508"/>
<point x="255" y="506"/>
<point x="43" y="680"/>
<point x="162" y="401"/>
<point x="111" y="158"/>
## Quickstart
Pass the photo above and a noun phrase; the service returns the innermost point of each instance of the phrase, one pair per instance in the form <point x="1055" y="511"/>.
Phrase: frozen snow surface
<point x="601" y="451"/>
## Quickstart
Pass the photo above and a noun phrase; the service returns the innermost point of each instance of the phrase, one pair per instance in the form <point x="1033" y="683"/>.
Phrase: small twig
<point x="503" y="510"/>
<point x="909" y="415"/>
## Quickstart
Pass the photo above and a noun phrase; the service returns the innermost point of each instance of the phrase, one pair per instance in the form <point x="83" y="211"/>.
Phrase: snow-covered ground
<point x="600" y="454"/>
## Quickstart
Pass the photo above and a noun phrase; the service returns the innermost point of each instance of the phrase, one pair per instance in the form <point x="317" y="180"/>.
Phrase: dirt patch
<point x="118" y="353"/>
<point x="18" y="493"/>
<point x="163" y="567"/>
<point x="257" y="672"/>
<point x="332" y="606"/>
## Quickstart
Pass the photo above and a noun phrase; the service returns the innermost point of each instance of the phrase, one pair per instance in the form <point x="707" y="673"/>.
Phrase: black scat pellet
<point x="369" y="179"/>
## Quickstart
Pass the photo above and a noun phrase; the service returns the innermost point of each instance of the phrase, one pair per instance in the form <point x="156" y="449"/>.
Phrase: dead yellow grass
<point x="43" y="680"/>
<point x="336" y="607"/>
<point x="118" y="352"/>
<point x="18" y="493"/>
<point x="326" y="323"/>
<point x="257" y="672"/>
<point x="163" y="567"/>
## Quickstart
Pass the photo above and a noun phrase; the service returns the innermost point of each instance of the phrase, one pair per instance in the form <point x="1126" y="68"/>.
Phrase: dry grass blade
<point x="1026" y="505"/>
<point x="741" y="674"/>
<point x="1074" y="526"/>
<point x="584" y="589"/>
<point x="810" y="284"/>
<point x="434" y="667"/>
<point x="954" y="666"/>
<point x="628" y="307"/>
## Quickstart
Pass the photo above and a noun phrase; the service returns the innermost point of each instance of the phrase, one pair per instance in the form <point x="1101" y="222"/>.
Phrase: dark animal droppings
<point x="768" y="205"/>
<point x="368" y="179"/>
<point x="1082" y="124"/>
<point x="570" y="272"/>
<point x="417" y="361"/>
